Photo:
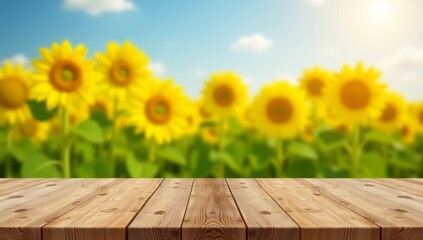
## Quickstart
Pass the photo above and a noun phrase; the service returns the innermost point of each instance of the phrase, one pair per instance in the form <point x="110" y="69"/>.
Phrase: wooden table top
<point x="195" y="209"/>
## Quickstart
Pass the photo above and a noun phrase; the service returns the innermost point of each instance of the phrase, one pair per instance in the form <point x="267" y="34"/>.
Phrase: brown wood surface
<point x="162" y="216"/>
<point x="398" y="213"/>
<point x="262" y="215"/>
<point x="212" y="212"/>
<point x="267" y="209"/>
<point x="319" y="217"/>
<point x="9" y="185"/>
<point x="25" y="212"/>
<point x="106" y="216"/>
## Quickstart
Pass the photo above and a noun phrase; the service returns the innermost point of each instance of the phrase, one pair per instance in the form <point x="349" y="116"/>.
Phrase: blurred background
<point x="104" y="130"/>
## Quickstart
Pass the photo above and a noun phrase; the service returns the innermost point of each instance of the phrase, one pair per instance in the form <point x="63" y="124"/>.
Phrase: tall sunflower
<point x="356" y="96"/>
<point x="416" y="111"/>
<point x="160" y="111"/>
<point x="280" y="110"/>
<point x="124" y="71"/>
<point x="64" y="77"/>
<point x="393" y="113"/>
<point x="225" y="94"/>
<point x="14" y="93"/>
<point x="314" y="82"/>
<point x="38" y="131"/>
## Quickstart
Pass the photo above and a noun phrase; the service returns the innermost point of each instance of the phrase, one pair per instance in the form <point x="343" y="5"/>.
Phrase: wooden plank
<point x="262" y="215"/>
<point x="25" y="212"/>
<point x="401" y="184"/>
<point x="399" y="217"/>
<point x="212" y="213"/>
<point x="105" y="216"/>
<point x="319" y="217"/>
<point x="163" y="214"/>
<point x="9" y="185"/>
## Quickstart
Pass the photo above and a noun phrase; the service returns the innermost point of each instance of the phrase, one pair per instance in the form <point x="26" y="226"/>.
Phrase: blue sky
<point x="261" y="40"/>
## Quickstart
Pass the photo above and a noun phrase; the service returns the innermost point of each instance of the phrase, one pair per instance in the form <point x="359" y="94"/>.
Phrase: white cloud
<point x="254" y="43"/>
<point x="157" y="68"/>
<point x="19" y="59"/>
<point x="97" y="7"/>
<point x="403" y="71"/>
<point x="316" y="2"/>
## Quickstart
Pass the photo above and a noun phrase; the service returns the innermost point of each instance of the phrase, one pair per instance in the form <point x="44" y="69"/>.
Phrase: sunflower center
<point x="98" y="106"/>
<point x="224" y="95"/>
<point x="405" y="131"/>
<point x="29" y="128"/>
<point x="158" y="110"/>
<point x="66" y="76"/>
<point x="355" y="95"/>
<point x="279" y="110"/>
<point x="315" y="86"/>
<point x="13" y="93"/>
<point x="389" y="113"/>
<point x="120" y="74"/>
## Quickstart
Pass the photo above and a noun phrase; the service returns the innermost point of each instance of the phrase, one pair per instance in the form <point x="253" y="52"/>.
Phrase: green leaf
<point x="172" y="154"/>
<point x="86" y="150"/>
<point x="90" y="131"/>
<point x="301" y="168"/>
<point x="301" y="149"/>
<point x="406" y="161"/>
<point x="39" y="110"/>
<point x="238" y="151"/>
<point x="101" y="118"/>
<point x="378" y="136"/>
<point x="199" y="160"/>
<point x="39" y="166"/>
<point x="227" y="159"/>
<point x="372" y="165"/>
<point x="94" y="169"/>
<point x="23" y="150"/>
<point x="261" y="155"/>
<point x="331" y="139"/>
<point x="136" y="168"/>
<point x="335" y="172"/>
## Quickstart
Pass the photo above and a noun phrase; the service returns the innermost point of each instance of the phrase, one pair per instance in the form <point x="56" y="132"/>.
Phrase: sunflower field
<point x="110" y="116"/>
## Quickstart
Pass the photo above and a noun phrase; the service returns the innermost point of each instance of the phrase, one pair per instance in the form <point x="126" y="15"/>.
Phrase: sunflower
<point x="193" y="119"/>
<point x="280" y="110"/>
<point x="393" y="113"/>
<point x="33" y="129"/>
<point x="124" y="71"/>
<point x="102" y="105"/>
<point x="416" y="110"/>
<point x="225" y="94"/>
<point x="210" y="135"/>
<point x="357" y="95"/>
<point x="14" y="93"/>
<point x="160" y="111"/>
<point x="314" y="82"/>
<point x="64" y="77"/>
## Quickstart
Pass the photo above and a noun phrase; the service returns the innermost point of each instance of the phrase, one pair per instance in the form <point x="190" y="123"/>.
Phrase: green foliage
<point x="39" y="110"/>
<point x="90" y="131"/>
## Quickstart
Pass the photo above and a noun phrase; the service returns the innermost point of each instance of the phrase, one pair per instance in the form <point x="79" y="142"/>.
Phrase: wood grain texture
<point x="212" y="213"/>
<point x="25" y="212"/>
<point x="9" y="185"/>
<point x="163" y="214"/>
<point x="398" y="213"/>
<point x="262" y="215"/>
<point x="405" y="185"/>
<point x="106" y="215"/>
<point x="319" y="217"/>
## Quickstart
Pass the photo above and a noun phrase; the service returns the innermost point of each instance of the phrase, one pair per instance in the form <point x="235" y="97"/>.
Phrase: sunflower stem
<point x="114" y="139"/>
<point x="9" y="144"/>
<point x="65" y="154"/>
<point x="221" y="163"/>
<point x="152" y="151"/>
<point x="355" y="151"/>
<point x="280" y="158"/>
